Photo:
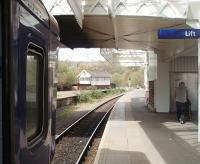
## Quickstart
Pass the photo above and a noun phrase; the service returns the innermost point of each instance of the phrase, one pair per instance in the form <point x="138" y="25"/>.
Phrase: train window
<point x="34" y="95"/>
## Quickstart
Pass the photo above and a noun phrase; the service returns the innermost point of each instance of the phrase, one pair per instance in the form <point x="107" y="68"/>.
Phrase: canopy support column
<point x="198" y="90"/>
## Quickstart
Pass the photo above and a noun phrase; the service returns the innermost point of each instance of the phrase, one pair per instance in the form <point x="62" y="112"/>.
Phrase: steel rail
<point x="59" y="136"/>
<point x="84" y="151"/>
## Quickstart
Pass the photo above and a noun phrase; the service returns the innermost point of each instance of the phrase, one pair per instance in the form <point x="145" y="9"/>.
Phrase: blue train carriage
<point x="29" y="42"/>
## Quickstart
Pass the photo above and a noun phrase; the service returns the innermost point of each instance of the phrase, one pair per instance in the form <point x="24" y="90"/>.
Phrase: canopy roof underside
<point x="124" y="24"/>
<point x="160" y="8"/>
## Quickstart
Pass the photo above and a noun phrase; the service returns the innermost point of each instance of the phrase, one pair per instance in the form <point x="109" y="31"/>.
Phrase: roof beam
<point x="113" y="19"/>
<point x="56" y="2"/>
<point x="121" y="3"/>
<point x="95" y="5"/>
<point x="140" y="7"/>
<point x="163" y="8"/>
<point x="107" y="54"/>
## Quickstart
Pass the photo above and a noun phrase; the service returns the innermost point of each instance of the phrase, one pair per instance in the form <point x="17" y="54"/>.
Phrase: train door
<point x="32" y="141"/>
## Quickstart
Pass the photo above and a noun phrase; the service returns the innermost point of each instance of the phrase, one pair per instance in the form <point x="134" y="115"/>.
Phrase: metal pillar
<point x="198" y="90"/>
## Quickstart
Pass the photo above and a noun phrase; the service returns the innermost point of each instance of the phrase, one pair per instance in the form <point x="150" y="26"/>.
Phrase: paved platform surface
<point x="65" y="94"/>
<point x="133" y="135"/>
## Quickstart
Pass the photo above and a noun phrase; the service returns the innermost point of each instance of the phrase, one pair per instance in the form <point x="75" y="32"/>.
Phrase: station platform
<point x="66" y="94"/>
<point x="133" y="135"/>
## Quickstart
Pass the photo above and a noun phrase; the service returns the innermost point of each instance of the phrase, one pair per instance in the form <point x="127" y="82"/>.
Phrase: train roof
<point x="39" y="10"/>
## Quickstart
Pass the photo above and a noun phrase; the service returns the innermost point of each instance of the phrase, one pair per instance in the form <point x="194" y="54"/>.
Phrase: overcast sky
<point x="80" y="54"/>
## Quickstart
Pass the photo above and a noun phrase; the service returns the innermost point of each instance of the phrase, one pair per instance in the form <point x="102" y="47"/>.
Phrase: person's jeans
<point x="180" y="109"/>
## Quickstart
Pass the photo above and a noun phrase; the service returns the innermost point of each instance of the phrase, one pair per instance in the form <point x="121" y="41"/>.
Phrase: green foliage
<point x="66" y="74"/>
<point x="96" y="94"/>
<point x="92" y="88"/>
<point x="82" y="67"/>
<point x="121" y="76"/>
<point x="137" y="78"/>
<point x="87" y="96"/>
<point x="115" y="91"/>
<point x="65" y="112"/>
<point x="117" y="79"/>
<point x="134" y="77"/>
<point x="84" y="97"/>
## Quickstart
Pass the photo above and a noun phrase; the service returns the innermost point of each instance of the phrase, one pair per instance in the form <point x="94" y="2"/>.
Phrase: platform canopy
<point x="123" y="24"/>
<point x="159" y="8"/>
<point x="125" y="57"/>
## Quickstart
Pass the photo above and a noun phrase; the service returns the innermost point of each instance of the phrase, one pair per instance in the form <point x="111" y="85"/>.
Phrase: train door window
<point x="34" y="95"/>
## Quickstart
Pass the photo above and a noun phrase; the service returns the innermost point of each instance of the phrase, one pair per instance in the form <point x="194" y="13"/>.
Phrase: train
<point x="29" y="42"/>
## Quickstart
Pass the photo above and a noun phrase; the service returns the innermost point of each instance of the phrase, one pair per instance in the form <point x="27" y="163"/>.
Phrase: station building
<point x="88" y="79"/>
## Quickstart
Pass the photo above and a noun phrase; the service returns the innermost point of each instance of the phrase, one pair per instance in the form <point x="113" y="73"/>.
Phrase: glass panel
<point x="34" y="95"/>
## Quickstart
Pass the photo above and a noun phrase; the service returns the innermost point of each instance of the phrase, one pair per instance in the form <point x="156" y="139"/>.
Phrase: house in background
<point x="91" y="78"/>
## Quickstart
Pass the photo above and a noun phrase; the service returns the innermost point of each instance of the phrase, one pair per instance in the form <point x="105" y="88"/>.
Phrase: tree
<point x="66" y="75"/>
<point x="82" y="67"/>
<point x="137" y="78"/>
<point x="121" y="76"/>
<point x="117" y="79"/>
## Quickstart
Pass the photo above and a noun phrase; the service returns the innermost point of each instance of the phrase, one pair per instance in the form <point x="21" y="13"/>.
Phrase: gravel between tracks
<point x="91" y="154"/>
<point x="64" y="122"/>
<point x="70" y="146"/>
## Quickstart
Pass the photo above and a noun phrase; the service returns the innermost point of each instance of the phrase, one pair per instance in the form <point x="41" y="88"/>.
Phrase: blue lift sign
<point x="178" y="33"/>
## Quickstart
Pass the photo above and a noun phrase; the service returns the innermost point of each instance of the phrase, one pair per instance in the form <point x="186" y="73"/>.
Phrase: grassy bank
<point x="86" y="98"/>
<point x="94" y="94"/>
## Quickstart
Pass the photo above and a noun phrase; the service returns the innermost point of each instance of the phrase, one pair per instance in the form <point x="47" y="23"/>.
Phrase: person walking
<point x="181" y="99"/>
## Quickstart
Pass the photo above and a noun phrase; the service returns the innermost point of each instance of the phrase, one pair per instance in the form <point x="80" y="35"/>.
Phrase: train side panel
<point x="35" y="86"/>
<point x="28" y="65"/>
<point x="52" y="66"/>
<point x="32" y="113"/>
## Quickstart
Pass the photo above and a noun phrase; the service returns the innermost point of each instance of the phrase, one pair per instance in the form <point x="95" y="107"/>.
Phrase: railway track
<point x="73" y="142"/>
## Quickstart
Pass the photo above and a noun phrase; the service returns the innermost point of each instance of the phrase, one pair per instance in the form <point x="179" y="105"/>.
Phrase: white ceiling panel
<point x="136" y="32"/>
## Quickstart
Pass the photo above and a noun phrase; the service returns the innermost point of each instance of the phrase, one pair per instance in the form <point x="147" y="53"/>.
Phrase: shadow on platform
<point x="122" y="157"/>
<point x="176" y="143"/>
